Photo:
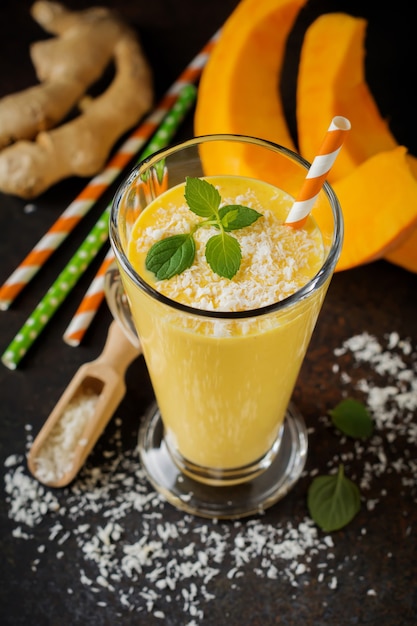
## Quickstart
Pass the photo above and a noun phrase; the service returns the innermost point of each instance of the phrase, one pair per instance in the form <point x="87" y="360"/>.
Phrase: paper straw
<point x="69" y="276"/>
<point x="318" y="171"/>
<point x="72" y="215"/>
<point x="57" y="293"/>
<point x="94" y="296"/>
<point x="89" y="305"/>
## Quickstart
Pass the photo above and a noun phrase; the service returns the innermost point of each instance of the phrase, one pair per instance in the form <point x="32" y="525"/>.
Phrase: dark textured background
<point x="379" y="298"/>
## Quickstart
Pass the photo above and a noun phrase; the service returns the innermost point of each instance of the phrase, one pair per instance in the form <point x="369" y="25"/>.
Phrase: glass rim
<point x="314" y="283"/>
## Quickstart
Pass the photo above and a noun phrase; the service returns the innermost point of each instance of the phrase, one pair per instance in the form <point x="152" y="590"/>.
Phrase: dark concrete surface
<point x="362" y="574"/>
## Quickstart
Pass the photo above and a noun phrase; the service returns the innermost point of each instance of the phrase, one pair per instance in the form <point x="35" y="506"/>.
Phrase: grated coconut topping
<point x="276" y="260"/>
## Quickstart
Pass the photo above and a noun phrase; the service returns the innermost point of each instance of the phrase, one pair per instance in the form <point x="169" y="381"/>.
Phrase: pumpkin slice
<point x="331" y="81"/>
<point x="379" y="204"/>
<point x="238" y="90"/>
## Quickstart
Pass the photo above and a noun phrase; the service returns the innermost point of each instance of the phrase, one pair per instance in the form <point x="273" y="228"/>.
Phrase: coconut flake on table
<point x="161" y="563"/>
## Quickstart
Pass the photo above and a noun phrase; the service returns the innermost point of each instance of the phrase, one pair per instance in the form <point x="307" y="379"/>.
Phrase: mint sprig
<point x="173" y="255"/>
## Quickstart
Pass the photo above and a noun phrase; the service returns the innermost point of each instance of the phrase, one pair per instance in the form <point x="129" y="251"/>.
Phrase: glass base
<point x="230" y="501"/>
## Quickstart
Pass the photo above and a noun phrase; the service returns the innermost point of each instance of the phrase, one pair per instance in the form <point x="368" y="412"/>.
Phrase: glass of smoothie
<point x="224" y="296"/>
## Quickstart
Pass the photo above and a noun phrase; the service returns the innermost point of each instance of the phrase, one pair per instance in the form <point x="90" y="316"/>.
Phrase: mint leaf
<point x="171" y="256"/>
<point x="352" y="418"/>
<point x="223" y="254"/>
<point x="202" y="197"/>
<point x="333" y="501"/>
<point x="235" y="216"/>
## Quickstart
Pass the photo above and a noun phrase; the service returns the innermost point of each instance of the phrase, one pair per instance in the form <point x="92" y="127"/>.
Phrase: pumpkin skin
<point x="238" y="87"/>
<point x="405" y="255"/>
<point x="331" y="81"/>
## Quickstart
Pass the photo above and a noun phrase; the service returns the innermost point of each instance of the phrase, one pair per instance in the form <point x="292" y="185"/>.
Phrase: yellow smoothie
<point x="223" y="385"/>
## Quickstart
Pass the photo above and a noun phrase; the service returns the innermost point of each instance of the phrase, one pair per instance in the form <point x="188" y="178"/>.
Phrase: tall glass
<point x="223" y="439"/>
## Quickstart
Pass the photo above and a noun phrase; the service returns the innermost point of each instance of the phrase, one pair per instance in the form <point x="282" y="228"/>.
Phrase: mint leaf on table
<point x="352" y="418"/>
<point x="333" y="501"/>
<point x="173" y="255"/>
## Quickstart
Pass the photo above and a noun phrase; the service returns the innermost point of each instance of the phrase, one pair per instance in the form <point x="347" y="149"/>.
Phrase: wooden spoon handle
<point x="118" y="350"/>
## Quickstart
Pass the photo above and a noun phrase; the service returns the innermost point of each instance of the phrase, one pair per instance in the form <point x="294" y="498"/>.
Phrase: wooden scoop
<point x="100" y="381"/>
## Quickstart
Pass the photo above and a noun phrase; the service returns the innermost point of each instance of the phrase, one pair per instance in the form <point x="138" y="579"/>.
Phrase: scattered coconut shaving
<point x="131" y="556"/>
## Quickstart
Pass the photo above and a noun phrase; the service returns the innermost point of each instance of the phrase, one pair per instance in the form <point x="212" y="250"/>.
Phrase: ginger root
<point x="67" y="65"/>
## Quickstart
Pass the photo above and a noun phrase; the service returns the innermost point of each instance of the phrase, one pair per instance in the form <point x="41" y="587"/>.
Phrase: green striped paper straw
<point x="171" y="122"/>
<point x="89" y="249"/>
<point x="88" y="307"/>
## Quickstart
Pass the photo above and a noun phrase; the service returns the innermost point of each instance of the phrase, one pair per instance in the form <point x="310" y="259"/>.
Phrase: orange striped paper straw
<point x="318" y="171"/>
<point x="89" y="305"/>
<point x="69" y="219"/>
<point x="94" y="295"/>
